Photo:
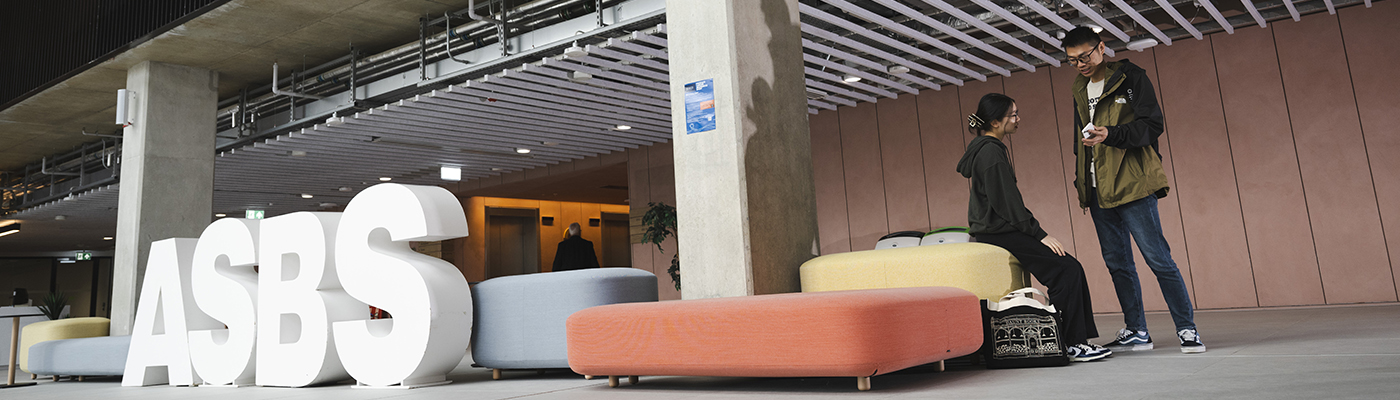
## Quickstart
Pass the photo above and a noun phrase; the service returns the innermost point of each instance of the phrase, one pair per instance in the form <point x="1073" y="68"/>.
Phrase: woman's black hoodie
<point x="995" y="204"/>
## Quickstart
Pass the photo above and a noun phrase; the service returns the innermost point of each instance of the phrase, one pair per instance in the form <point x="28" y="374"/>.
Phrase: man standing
<point x="574" y="252"/>
<point x="1119" y="176"/>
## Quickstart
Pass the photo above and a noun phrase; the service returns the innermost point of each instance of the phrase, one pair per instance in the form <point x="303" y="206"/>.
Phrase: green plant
<point x="660" y="222"/>
<point x="53" y="305"/>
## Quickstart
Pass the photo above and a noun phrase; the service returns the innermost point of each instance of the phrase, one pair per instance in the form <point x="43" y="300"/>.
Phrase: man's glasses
<point x="1083" y="58"/>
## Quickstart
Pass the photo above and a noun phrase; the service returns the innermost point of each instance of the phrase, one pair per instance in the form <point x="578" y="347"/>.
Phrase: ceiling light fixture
<point x="67" y="260"/>
<point x="107" y="238"/>
<point x="344" y="188"/>
<point x="898" y="69"/>
<point x="385" y="179"/>
<point x="522" y="150"/>
<point x="9" y="229"/>
<point x="306" y="196"/>
<point x="579" y="76"/>
<point x="1142" y="44"/>
<point x="451" y="173"/>
<point x="623" y="127"/>
<point x="298" y="153"/>
<point x="60" y="217"/>
<point x="849" y="78"/>
<point x="575" y="51"/>
<point x="220" y="215"/>
<point x="1096" y="28"/>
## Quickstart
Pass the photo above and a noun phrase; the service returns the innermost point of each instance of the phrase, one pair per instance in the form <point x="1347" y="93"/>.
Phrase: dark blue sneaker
<point x="1087" y="352"/>
<point x="1131" y="340"/>
<point x="1190" y="341"/>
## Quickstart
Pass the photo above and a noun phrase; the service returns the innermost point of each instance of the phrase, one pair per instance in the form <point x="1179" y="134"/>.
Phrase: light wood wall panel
<point x="1275" y="212"/>
<point x="1205" y="176"/>
<point x="1341" y="197"/>
<point x="865" y="188"/>
<point x="941" y="131"/>
<point x="830" y="180"/>
<point x="901" y="154"/>
<point x="1372" y="54"/>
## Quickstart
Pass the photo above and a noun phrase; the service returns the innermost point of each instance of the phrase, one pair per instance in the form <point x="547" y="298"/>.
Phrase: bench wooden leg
<point x="612" y="381"/>
<point x="496" y="373"/>
<point x="632" y="380"/>
<point x="80" y="379"/>
<point x="33" y="377"/>
<point x="940" y="367"/>
<point x="55" y="378"/>
<point x="539" y="372"/>
<point x="863" y="382"/>
<point x="588" y="377"/>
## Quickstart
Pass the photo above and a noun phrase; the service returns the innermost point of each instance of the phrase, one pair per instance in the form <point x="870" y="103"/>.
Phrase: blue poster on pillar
<point x="700" y="106"/>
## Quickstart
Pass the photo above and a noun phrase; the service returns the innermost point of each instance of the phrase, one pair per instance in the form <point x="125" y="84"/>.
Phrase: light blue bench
<point x="520" y="319"/>
<point x="94" y="356"/>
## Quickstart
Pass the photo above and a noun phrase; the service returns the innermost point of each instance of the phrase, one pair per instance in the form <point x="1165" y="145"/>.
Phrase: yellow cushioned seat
<point x="985" y="270"/>
<point x="67" y="328"/>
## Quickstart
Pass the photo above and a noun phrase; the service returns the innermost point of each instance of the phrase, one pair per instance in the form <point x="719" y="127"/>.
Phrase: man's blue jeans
<point x="1140" y="220"/>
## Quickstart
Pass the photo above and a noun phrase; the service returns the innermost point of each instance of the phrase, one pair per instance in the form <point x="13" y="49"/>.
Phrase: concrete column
<point x="167" y="175"/>
<point x="744" y="193"/>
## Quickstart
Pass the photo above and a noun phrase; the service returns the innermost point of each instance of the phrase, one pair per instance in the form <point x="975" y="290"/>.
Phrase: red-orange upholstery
<point x="855" y="333"/>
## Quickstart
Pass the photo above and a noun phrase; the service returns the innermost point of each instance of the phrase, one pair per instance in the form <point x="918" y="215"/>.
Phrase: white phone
<point x="1086" y="130"/>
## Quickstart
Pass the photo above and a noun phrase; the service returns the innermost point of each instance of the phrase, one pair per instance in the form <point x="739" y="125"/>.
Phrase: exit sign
<point x="84" y="256"/>
<point x="253" y="214"/>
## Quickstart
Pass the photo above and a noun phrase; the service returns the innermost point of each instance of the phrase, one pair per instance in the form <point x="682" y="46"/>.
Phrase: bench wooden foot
<point x="632" y="380"/>
<point x="612" y="381"/>
<point x="940" y="367"/>
<point x="496" y="373"/>
<point x="588" y="377"/>
<point x="80" y="379"/>
<point x="55" y="378"/>
<point x="33" y="377"/>
<point x="863" y="382"/>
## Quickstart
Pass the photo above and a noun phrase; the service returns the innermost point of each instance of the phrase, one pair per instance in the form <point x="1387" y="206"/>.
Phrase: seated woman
<point x="997" y="216"/>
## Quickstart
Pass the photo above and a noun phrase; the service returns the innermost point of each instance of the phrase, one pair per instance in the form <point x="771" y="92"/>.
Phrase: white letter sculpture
<point x="226" y="288"/>
<point x="159" y="351"/>
<point x="298" y="297"/>
<point x="428" y="298"/>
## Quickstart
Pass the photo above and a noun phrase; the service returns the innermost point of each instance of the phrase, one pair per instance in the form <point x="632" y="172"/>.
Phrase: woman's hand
<point x="1054" y="245"/>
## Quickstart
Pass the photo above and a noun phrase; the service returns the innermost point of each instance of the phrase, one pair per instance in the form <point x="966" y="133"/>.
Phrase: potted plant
<point x="53" y="305"/>
<point x="660" y="222"/>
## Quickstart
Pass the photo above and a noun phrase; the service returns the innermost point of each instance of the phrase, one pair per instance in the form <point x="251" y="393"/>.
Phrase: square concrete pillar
<point x="744" y="191"/>
<point x="167" y="172"/>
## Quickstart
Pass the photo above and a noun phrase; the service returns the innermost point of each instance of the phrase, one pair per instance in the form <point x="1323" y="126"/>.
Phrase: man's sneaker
<point x="1087" y="352"/>
<point x="1131" y="340"/>
<point x="1190" y="341"/>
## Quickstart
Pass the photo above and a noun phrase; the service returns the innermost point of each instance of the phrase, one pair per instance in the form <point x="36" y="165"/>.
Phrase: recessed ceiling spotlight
<point x="1096" y="28"/>
<point x="623" y="127"/>
<point x="579" y="76"/>
<point x="220" y="215"/>
<point x="522" y="150"/>
<point x="451" y="173"/>
<point x="327" y="205"/>
<point x="60" y="217"/>
<point x="898" y="69"/>
<point x="550" y="143"/>
<point x="107" y="238"/>
<point x="344" y="188"/>
<point x="306" y="196"/>
<point x="849" y="78"/>
<point x="496" y="169"/>
<point x="385" y="179"/>
<point x="298" y="153"/>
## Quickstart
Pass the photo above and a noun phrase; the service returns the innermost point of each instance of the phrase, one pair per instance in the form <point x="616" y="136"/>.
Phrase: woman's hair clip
<point x="973" y="121"/>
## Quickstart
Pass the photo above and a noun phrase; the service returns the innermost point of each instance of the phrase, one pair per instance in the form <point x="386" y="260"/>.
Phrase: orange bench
<point x="855" y="333"/>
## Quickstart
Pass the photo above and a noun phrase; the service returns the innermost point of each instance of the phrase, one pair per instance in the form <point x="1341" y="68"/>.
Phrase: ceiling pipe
<point x="448" y="42"/>
<point x="292" y="94"/>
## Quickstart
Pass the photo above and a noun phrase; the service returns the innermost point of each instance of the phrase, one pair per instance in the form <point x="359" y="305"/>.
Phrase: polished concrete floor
<point x="1318" y="353"/>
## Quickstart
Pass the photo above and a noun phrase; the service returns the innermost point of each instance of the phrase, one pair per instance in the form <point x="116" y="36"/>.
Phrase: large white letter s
<point x="428" y="298"/>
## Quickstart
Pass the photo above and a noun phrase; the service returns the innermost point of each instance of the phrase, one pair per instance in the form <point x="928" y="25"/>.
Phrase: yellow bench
<point x="67" y="328"/>
<point x="987" y="271"/>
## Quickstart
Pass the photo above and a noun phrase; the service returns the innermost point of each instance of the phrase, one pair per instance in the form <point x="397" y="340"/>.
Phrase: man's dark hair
<point x="1080" y="36"/>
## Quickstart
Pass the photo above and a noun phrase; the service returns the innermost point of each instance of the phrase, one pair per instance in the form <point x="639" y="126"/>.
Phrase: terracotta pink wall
<point x="1279" y="149"/>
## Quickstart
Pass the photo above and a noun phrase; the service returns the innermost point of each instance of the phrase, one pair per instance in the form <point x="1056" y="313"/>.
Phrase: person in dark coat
<point x="997" y="216"/>
<point x="575" y="252"/>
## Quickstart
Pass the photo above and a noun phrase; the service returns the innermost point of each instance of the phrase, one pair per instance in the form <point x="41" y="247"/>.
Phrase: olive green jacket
<point x="1127" y="164"/>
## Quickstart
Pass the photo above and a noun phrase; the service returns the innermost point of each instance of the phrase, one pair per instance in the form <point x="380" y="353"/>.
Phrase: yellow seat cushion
<point x="985" y="270"/>
<point x="67" y="328"/>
